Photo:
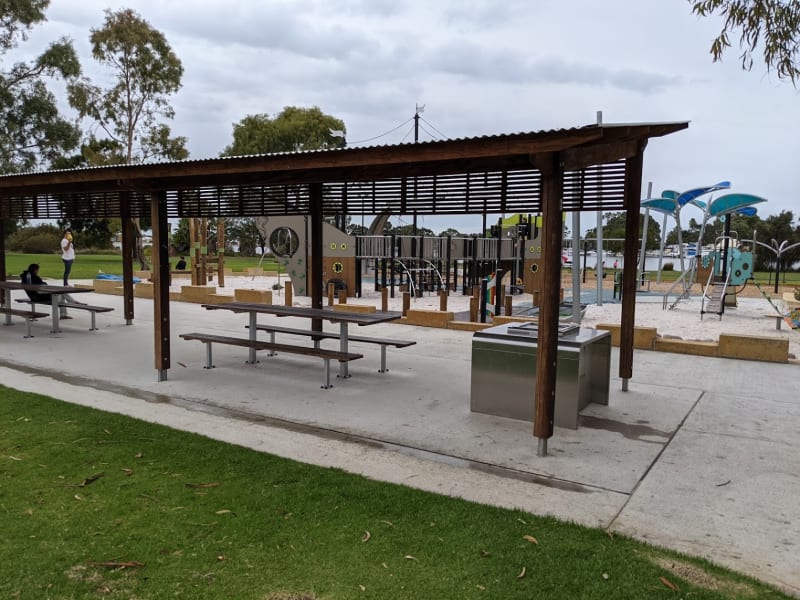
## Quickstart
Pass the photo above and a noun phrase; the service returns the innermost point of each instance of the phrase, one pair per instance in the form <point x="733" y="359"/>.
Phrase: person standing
<point x="67" y="254"/>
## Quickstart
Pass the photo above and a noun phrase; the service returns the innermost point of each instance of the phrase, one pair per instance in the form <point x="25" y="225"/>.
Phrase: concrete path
<point x="701" y="455"/>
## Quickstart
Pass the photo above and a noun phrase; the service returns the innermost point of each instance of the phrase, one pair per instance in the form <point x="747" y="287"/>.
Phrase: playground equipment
<point x="203" y="264"/>
<point x="416" y="264"/>
<point x="729" y="267"/>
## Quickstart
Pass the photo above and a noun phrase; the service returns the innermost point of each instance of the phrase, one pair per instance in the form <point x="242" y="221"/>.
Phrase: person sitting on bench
<point x="181" y="264"/>
<point x="31" y="277"/>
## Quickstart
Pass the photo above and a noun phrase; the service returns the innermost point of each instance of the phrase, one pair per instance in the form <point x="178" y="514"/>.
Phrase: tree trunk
<point x="138" y="247"/>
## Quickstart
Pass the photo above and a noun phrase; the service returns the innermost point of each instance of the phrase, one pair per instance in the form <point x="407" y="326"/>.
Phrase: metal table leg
<point x="55" y="310"/>
<point x="7" y="304"/>
<point x="251" y="359"/>
<point x="344" y="371"/>
<point x="383" y="368"/>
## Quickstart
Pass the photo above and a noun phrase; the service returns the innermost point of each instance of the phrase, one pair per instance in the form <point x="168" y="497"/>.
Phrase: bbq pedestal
<point x="504" y="371"/>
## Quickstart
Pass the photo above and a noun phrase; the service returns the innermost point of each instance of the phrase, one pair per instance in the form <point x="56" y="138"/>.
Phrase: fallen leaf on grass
<point x="531" y="539"/>
<point x="91" y="479"/>
<point x="521" y="521"/>
<point x="221" y="557"/>
<point x="485" y="553"/>
<point x="409" y="557"/>
<point x="365" y="538"/>
<point x="127" y="472"/>
<point x="669" y="584"/>
<point x="480" y="587"/>
<point x="521" y="573"/>
<point x="77" y="497"/>
<point x="138" y="455"/>
<point x="385" y="566"/>
<point x="114" y="564"/>
<point x="362" y="588"/>
<point x="13" y="457"/>
<point x="29" y="512"/>
<point x="181" y="364"/>
<point x="389" y="523"/>
<point x="202" y="485"/>
<point x="723" y="483"/>
<point x="106" y="431"/>
<point x="224" y="511"/>
<point x="604" y="576"/>
<point x="610" y="535"/>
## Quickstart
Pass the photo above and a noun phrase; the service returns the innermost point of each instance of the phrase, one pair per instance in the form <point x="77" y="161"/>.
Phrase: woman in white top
<point x="67" y="254"/>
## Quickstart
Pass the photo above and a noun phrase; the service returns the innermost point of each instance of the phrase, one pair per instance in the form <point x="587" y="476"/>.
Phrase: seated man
<point x="181" y="264"/>
<point x="31" y="277"/>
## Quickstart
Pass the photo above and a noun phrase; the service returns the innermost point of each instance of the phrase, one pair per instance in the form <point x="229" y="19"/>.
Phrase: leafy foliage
<point x="771" y="26"/>
<point x="44" y="238"/>
<point x="31" y="128"/>
<point x="294" y="128"/>
<point x="614" y="230"/>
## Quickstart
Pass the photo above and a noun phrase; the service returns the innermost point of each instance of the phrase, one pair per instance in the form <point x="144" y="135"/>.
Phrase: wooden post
<point x="508" y="305"/>
<point x="287" y="292"/>
<point x="633" y="192"/>
<point x="160" y="275"/>
<point x="315" y="285"/>
<point x="221" y="252"/>
<point x="547" y="347"/>
<point x="473" y="310"/>
<point x="331" y="289"/>
<point x="203" y="251"/>
<point x="128" y="250"/>
<point x="193" y="250"/>
<point x="342" y="296"/>
<point x="406" y="302"/>
<point x="384" y="299"/>
<point x="443" y="300"/>
<point x="3" y="257"/>
<point x="536" y="295"/>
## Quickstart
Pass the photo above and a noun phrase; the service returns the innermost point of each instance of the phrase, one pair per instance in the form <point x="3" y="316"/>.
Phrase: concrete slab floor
<point x="648" y="464"/>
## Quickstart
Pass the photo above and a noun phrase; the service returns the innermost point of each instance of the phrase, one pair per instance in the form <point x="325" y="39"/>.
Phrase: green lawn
<point x="87" y="266"/>
<point x="82" y="491"/>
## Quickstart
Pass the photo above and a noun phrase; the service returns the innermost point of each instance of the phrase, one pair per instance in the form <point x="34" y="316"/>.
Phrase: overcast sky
<point x="479" y="67"/>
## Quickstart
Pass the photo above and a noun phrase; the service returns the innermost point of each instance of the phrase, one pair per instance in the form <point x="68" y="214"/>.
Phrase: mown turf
<point x="201" y="519"/>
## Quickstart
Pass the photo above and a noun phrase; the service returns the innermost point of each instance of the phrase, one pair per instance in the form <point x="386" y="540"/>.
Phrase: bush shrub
<point x="43" y="239"/>
<point x="668" y="267"/>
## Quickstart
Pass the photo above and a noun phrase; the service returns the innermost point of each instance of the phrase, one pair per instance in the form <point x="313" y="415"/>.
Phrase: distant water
<point x="650" y="264"/>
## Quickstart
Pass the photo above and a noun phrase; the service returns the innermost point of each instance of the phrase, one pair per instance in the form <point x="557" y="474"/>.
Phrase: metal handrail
<point x="682" y="280"/>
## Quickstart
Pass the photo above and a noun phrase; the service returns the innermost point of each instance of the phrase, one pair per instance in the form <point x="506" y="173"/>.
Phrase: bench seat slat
<point x="28" y="314"/>
<point x="259" y="345"/>
<point x="331" y="335"/>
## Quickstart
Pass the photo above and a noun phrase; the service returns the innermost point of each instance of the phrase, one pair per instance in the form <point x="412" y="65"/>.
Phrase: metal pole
<point x="661" y="248"/>
<point x="576" y="273"/>
<point x="599" y="263"/>
<point x="639" y="275"/>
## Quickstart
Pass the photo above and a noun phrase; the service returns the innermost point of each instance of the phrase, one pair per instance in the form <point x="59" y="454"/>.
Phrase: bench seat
<point x="76" y="306"/>
<point x="326" y="355"/>
<point x="326" y="335"/>
<point x="28" y="315"/>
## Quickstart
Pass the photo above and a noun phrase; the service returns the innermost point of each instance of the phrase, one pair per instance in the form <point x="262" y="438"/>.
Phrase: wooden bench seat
<point x="28" y="315"/>
<point x="77" y="306"/>
<point x="326" y="355"/>
<point x="326" y="335"/>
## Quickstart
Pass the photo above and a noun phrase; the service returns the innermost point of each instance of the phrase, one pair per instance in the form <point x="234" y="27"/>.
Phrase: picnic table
<point x="334" y="316"/>
<point x="55" y="291"/>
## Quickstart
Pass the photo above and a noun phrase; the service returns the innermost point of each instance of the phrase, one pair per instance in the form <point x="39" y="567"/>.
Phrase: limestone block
<point x="219" y="299"/>
<point x="356" y="308"/>
<point x="643" y="337"/>
<point x="692" y="347"/>
<point x="106" y="286"/>
<point x="197" y="293"/>
<point x="143" y="290"/>
<point x="142" y="274"/>
<point x="253" y="296"/>
<point x="175" y="297"/>
<point x="753" y="347"/>
<point x="429" y="318"/>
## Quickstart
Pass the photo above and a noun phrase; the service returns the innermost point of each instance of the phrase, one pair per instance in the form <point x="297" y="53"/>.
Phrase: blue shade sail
<point x="689" y="195"/>
<point x="663" y="205"/>
<point x="748" y="211"/>
<point x="670" y="194"/>
<point x="730" y="203"/>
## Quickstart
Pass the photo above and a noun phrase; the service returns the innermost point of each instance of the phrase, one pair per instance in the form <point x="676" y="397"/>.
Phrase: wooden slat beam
<point x="315" y="285"/>
<point x="547" y="345"/>
<point x="596" y="154"/>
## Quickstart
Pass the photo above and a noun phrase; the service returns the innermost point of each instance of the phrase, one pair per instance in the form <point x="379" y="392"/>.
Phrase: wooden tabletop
<point x="43" y="288"/>
<point x="310" y="313"/>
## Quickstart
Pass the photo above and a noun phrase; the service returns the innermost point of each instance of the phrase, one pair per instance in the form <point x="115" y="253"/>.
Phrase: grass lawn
<point x="86" y="266"/>
<point x="97" y="505"/>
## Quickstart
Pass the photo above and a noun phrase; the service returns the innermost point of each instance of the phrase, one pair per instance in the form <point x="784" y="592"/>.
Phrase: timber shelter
<point x="593" y="168"/>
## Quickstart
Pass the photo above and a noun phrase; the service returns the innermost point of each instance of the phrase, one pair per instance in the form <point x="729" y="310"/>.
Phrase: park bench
<point x="326" y="355"/>
<point x="77" y="306"/>
<point x="28" y="315"/>
<point x="324" y="335"/>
